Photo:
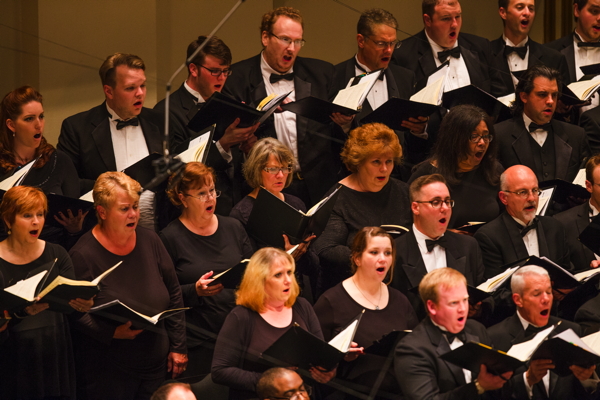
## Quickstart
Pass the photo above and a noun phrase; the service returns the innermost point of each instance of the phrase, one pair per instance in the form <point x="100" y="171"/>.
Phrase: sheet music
<point x="16" y="178"/>
<point x="545" y="197"/>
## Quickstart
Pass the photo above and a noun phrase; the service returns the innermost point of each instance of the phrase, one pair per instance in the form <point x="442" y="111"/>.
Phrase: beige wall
<point x="58" y="45"/>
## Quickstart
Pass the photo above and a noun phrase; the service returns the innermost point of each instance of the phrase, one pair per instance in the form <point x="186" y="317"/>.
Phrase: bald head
<point x="518" y="184"/>
<point x="279" y="382"/>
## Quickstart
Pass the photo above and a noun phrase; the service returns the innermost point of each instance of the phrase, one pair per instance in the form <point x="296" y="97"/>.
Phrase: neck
<point x="361" y="186"/>
<point x="594" y="203"/>
<point x="116" y="237"/>
<point x="21" y="248"/>
<point x="197" y="222"/>
<point x="430" y="235"/>
<point x="274" y="306"/>
<point x="583" y="36"/>
<point x="366" y="284"/>
<point x="363" y="61"/>
<point x="23" y="154"/>
<point x="515" y="38"/>
<point x="466" y="166"/>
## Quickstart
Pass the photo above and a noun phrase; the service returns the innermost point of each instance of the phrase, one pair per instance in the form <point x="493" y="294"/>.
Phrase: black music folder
<point x="396" y="110"/>
<point x="590" y="236"/>
<point x="317" y="109"/>
<point x="387" y="344"/>
<point x="473" y="95"/>
<point x="58" y="203"/>
<point x="471" y="355"/>
<point x="232" y="277"/>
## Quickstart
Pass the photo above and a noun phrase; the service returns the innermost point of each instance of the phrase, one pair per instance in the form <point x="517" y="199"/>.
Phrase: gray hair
<point x="517" y="282"/>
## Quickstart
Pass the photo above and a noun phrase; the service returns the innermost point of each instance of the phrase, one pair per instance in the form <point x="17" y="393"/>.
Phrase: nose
<point x="454" y="22"/>
<point x="36" y="220"/>
<point x="463" y="306"/>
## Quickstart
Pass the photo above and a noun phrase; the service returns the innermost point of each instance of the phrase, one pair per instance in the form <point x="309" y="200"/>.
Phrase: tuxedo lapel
<point x="103" y="139"/>
<point x="515" y="237"/>
<point x="414" y="266"/>
<point x="569" y="53"/>
<point x="521" y="145"/>
<point x="442" y="347"/>
<point x="392" y="87"/>
<point x="582" y="221"/>
<point x="542" y="242"/>
<point x="498" y="52"/>
<point x="152" y="135"/>
<point x="562" y="150"/>
<point x="454" y="262"/>
<point x="302" y="89"/>
<point x="473" y="65"/>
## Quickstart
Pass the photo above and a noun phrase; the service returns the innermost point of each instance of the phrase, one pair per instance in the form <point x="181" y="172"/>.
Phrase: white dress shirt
<point x="546" y="378"/>
<point x="516" y="63"/>
<point x="585" y="56"/>
<point x="539" y="135"/>
<point x="434" y="259"/>
<point x="379" y="93"/>
<point x="530" y="239"/>
<point x="458" y="74"/>
<point x="593" y="213"/>
<point x="285" y="122"/>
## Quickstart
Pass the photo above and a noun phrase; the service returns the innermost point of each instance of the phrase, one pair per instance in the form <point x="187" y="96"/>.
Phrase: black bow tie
<point x="432" y="243"/>
<point x="462" y="336"/>
<point x="443" y="55"/>
<point x="526" y="229"/>
<point x="588" y="44"/>
<point x="365" y="71"/>
<point x="545" y="127"/>
<point x="277" y="77"/>
<point x="132" y="121"/>
<point x="521" y="51"/>
<point x="532" y="330"/>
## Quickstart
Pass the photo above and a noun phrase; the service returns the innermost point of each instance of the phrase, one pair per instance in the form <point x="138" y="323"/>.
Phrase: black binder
<point x="396" y="110"/>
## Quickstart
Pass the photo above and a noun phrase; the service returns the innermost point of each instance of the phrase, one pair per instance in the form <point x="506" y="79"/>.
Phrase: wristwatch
<point x="480" y="389"/>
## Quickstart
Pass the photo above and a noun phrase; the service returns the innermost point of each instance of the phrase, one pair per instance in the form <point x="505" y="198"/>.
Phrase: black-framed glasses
<point x="381" y="45"/>
<point x="218" y="72"/>
<point x="276" y="170"/>
<point x="287" y="41"/>
<point x="303" y="392"/>
<point x="437" y="203"/>
<point x="475" y="138"/>
<point x="524" y="193"/>
<point x="204" y="197"/>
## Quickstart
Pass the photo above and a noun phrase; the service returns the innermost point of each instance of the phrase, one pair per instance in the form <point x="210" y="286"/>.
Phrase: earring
<point x="9" y="231"/>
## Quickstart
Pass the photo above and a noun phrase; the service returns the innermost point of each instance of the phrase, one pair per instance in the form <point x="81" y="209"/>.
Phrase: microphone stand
<point x="167" y="164"/>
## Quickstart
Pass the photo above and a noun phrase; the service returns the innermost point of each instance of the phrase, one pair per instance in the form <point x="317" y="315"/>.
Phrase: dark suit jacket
<point x="318" y="151"/>
<point x="501" y="243"/>
<point x="588" y="316"/>
<point x="565" y="46"/>
<point x="462" y="254"/>
<point x="416" y="55"/>
<point x="590" y="122"/>
<point x="575" y="220"/>
<point x="538" y="54"/>
<point x="181" y="104"/>
<point x="85" y="137"/>
<point x="422" y="374"/>
<point x="570" y="146"/>
<point x="400" y="83"/>
<point x="510" y="332"/>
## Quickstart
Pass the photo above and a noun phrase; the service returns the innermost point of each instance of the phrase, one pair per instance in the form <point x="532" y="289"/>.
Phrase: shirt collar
<point x="527" y="121"/>
<point x="511" y="44"/>
<point x="521" y="222"/>
<point x="524" y="322"/>
<point x="594" y="210"/>
<point x="194" y="93"/>
<point x="436" y="48"/>
<point x="113" y="115"/>
<point x="420" y="236"/>
<point x="363" y="66"/>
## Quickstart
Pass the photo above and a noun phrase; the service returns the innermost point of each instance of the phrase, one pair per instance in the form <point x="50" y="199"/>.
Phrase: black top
<point x="195" y="255"/>
<point x="353" y="211"/>
<point x="145" y="281"/>
<point x="336" y="308"/>
<point x="37" y="357"/>
<point x="475" y="199"/>
<point x="245" y="335"/>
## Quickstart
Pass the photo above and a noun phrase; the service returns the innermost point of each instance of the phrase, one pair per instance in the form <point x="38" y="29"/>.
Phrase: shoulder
<point x="550" y="223"/>
<point x="397" y="184"/>
<point x="303" y="307"/>
<point x="63" y="159"/>
<point x="295" y="202"/>
<point x="476" y="328"/>
<point x="241" y="211"/>
<point x="151" y="115"/>
<point x="491" y="228"/>
<point x="496" y="44"/>
<point x="561" y="43"/>
<point x="565" y="324"/>
<point x="567" y="217"/>
<point x="341" y="67"/>
<point x="399" y="71"/>
<point x="56" y="250"/>
<point x="461" y="240"/>
<point x="173" y="230"/>
<point x="593" y="114"/>
<point x="313" y="69"/>
<point x="501" y="328"/>
<point x="473" y="41"/>
<point x="506" y="126"/>
<point x="246" y="64"/>
<point x="414" y="40"/>
<point x="421" y="169"/>
<point x="573" y="131"/>
<point x="230" y="224"/>
<point x="87" y="116"/>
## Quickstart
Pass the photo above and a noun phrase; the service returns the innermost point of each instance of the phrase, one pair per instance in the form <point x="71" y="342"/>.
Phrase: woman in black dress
<point x="115" y="361"/>
<point x="465" y="155"/>
<point x="268" y="305"/>
<point x="369" y="197"/>
<point x="22" y="141"/>
<point x="270" y="166"/>
<point x="202" y="244"/>
<point x="386" y="309"/>
<point x="36" y="357"/>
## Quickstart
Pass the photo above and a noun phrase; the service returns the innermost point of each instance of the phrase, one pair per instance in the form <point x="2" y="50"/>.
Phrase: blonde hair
<point x="443" y="277"/>
<point x="104" y="192"/>
<point x="251" y="293"/>
<point x="368" y="140"/>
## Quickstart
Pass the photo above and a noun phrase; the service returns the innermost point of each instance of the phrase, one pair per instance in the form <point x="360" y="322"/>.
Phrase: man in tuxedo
<point x="207" y="73"/>
<point x="551" y="148"/>
<point x="279" y="69"/>
<point x="118" y="132"/>
<point x="469" y="57"/>
<point x="420" y="371"/>
<point x="532" y="294"/>
<point x="429" y="245"/>
<point x="281" y="383"/>
<point x="576" y="219"/>
<point x="515" y="50"/>
<point x="517" y="233"/>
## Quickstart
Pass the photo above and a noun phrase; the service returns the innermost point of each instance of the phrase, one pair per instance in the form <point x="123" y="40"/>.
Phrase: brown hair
<point x="373" y="17"/>
<point x="428" y="6"/>
<point x="361" y="241"/>
<point x="443" y="277"/>
<point x="251" y="293"/>
<point x="269" y="19"/>
<point x="109" y="66"/>
<point x="163" y="392"/>
<point x="215" y="47"/>
<point x="415" y="187"/>
<point x="11" y="108"/>
<point x="590" y="166"/>
<point x="368" y="140"/>
<point x="21" y="199"/>
<point x="259" y="156"/>
<point x="193" y="176"/>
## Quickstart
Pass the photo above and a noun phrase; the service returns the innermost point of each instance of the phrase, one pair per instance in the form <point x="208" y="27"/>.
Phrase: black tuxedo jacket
<point x="565" y="46"/>
<point x="462" y="254"/>
<point x="400" y="83"/>
<point x="588" y="316"/>
<point x="422" y="374"/>
<point x="86" y="138"/>
<point x="510" y="332"/>
<point x="538" y="54"/>
<point x="501" y="243"/>
<point x="590" y="122"/>
<point x="416" y="55"/>
<point x="318" y="150"/>
<point x="575" y="220"/>
<point x="232" y="190"/>
<point x="570" y="147"/>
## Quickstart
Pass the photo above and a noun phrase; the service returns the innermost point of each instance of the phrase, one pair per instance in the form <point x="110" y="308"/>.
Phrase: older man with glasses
<point x="429" y="245"/>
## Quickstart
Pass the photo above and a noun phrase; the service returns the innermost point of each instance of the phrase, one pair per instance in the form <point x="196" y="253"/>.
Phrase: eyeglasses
<point x="524" y="193"/>
<point x="218" y="72"/>
<point x="476" y="138"/>
<point x="204" y="197"/>
<point x="303" y="393"/>
<point x="276" y="170"/>
<point x="438" y="203"/>
<point x="287" y="41"/>
<point x="384" y="45"/>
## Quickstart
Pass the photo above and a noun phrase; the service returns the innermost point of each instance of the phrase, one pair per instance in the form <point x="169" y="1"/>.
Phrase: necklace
<point x="363" y="295"/>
